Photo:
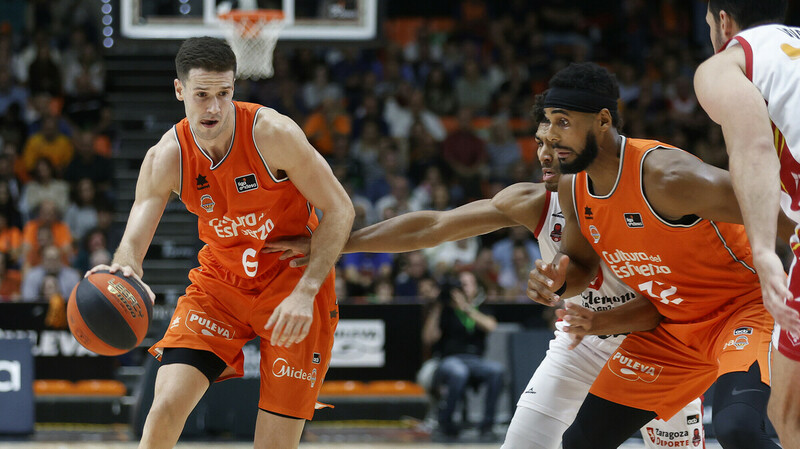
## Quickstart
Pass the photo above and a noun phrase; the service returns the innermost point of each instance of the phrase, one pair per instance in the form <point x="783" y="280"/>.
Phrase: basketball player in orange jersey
<point x="249" y="175"/>
<point x="659" y="218"/>
<point x="750" y="87"/>
<point x="557" y="388"/>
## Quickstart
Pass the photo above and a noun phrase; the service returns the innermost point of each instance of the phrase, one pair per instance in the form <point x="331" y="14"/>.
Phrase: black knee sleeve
<point x="602" y="424"/>
<point x="740" y="411"/>
<point x="206" y="361"/>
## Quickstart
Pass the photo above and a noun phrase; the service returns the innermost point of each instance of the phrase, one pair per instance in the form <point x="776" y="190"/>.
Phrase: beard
<point x="583" y="159"/>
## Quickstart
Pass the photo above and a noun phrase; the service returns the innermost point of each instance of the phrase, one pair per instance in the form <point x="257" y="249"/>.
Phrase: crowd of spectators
<point x="56" y="140"/>
<point x="435" y="116"/>
<point x="439" y="116"/>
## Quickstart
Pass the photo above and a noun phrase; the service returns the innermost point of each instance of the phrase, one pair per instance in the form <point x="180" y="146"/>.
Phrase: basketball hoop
<point x="253" y="35"/>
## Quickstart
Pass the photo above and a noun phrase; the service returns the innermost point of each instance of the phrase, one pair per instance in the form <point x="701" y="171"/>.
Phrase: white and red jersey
<point x="606" y="291"/>
<point x="772" y="54"/>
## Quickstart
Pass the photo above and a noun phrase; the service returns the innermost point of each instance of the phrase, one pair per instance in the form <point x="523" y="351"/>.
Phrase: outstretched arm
<point x="518" y="204"/>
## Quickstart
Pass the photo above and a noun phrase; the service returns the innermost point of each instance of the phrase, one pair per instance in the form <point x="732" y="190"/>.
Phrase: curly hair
<point x="590" y="77"/>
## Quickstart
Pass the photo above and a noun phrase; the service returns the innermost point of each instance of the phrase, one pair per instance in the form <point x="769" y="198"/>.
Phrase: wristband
<point x="562" y="289"/>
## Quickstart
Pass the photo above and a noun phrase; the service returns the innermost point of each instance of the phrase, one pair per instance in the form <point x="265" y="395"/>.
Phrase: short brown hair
<point x="207" y="53"/>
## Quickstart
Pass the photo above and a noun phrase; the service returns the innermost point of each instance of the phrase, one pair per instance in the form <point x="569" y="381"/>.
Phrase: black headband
<point x="578" y="100"/>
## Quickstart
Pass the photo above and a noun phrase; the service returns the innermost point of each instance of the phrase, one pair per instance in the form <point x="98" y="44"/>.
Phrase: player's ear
<point x="178" y="89"/>
<point x="604" y="120"/>
<point x="728" y="27"/>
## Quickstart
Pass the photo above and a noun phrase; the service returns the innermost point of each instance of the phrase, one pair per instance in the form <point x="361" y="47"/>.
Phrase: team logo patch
<point x="634" y="220"/>
<point x="202" y="182"/>
<point x="555" y="234"/>
<point x="246" y="183"/>
<point x="651" y="434"/>
<point x="743" y="331"/>
<point x="793" y="339"/>
<point x="207" y="203"/>
<point x="594" y="233"/>
<point x="739" y="343"/>
<point x="598" y="280"/>
<point x="693" y="419"/>
<point x="201" y="323"/>
<point x="317" y="358"/>
<point x="629" y="367"/>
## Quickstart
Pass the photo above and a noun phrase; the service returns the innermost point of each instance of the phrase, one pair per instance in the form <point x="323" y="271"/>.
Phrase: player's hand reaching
<point x="579" y="321"/>
<point x="127" y="271"/>
<point x="297" y="247"/>
<point x="546" y="279"/>
<point x="291" y="320"/>
<point x="775" y="292"/>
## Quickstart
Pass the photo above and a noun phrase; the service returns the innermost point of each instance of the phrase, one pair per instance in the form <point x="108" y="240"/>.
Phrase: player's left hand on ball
<point x="579" y="322"/>
<point x="291" y="320"/>
<point x="291" y="247"/>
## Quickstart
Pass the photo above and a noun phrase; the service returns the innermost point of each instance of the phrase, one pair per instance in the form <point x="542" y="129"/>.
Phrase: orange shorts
<point x="666" y="368"/>
<point x="220" y="312"/>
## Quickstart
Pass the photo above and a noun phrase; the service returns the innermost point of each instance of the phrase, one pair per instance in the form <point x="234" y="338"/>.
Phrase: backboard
<point x="342" y="20"/>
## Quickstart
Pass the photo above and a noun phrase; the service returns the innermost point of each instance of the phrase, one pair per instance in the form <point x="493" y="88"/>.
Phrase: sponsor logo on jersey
<point x="597" y="282"/>
<point x="693" y="419"/>
<point x="555" y="234"/>
<point x="697" y="439"/>
<point x="630" y="367"/>
<point x="249" y="225"/>
<point x="593" y="301"/>
<point x="529" y="391"/>
<point x="625" y="264"/>
<point x="791" y="52"/>
<point x="281" y="368"/>
<point x="201" y="323"/>
<point x="661" y="438"/>
<point x="175" y="323"/>
<point x="207" y="203"/>
<point x="246" y="183"/>
<point x="634" y="220"/>
<point x="743" y="331"/>
<point x="202" y="182"/>
<point x="316" y="359"/>
<point x="739" y="343"/>
<point x="587" y="213"/>
<point x="594" y="233"/>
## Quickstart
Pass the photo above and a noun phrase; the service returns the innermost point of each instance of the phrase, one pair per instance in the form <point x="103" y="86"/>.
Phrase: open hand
<point x="297" y="247"/>
<point x="291" y="320"/>
<point x="579" y="322"/>
<point x="775" y="292"/>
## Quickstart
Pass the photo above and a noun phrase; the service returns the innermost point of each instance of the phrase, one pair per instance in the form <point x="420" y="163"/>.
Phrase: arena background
<point x="380" y="88"/>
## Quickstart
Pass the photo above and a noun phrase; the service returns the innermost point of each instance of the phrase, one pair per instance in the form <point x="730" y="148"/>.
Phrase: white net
<point x="252" y="38"/>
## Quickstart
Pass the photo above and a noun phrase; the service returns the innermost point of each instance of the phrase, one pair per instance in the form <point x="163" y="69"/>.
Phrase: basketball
<point x="109" y="314"/>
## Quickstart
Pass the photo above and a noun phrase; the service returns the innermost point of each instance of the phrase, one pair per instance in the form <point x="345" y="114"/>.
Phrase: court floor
<point x="83" y="445"/>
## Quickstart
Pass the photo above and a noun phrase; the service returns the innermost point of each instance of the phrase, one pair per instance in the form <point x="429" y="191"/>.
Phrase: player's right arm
<point x="519" y="204"/>
<point x="575" y="265"/>
<point x="159" y="176"/>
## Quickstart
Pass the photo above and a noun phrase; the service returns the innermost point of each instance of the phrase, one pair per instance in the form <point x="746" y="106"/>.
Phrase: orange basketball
<point x="109" y="314"/>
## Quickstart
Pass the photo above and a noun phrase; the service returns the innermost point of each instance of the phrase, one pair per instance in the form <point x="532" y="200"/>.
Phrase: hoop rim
<point x="266" y="15"/>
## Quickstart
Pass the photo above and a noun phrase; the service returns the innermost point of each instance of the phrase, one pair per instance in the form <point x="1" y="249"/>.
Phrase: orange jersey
<point x="689" y="270"/>
<point x="240" y="202"/>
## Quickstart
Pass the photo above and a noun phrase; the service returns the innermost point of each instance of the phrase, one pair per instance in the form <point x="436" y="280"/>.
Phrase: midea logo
<point x="281" y="368"/>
